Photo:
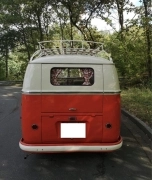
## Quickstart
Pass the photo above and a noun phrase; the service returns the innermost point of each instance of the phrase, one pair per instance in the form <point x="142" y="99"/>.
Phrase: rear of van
<point x="70" y="103"/>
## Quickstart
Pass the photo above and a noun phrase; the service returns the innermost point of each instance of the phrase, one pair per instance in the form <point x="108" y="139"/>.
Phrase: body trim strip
<point x="55" y="93"/>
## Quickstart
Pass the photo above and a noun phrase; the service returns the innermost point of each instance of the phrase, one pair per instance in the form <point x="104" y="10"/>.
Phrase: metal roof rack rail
<point x="70" y="47"/>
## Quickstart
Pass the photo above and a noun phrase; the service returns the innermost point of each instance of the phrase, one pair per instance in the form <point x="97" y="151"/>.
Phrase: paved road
<point x="131" y="162"/>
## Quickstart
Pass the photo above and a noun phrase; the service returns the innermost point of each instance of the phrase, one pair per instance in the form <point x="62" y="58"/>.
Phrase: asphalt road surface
<point x="131" y="162"/>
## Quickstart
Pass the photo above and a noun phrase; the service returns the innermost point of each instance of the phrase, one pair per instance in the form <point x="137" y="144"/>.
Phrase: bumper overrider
<point x="79" y="147"/>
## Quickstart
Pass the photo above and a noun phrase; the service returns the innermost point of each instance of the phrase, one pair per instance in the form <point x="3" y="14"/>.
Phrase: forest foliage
<point x="23" y="23"/>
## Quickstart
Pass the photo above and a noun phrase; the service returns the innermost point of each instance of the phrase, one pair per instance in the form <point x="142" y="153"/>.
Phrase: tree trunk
<point x="120" y="6"/>
<point x="6" y="59"/>
<point x="25" y="43"/>
<point x="6" y="64"/>
<point x="71" y="34"/>
<point x="40" y="26"/>
<point x="61" y="29"/>
<point x="148" y="41"/>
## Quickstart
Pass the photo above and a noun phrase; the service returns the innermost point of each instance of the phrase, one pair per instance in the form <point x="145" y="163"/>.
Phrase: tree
<point x="80" y="14"/>
<point x="8" y="41"/>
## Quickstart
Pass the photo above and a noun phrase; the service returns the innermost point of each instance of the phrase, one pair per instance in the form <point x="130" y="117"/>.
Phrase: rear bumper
<point x="57" y="148"/>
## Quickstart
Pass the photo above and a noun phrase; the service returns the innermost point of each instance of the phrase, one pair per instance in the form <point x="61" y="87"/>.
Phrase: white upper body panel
<point x="37" y="76"/>
<point x="32" y="78"/>
<point x="111" y="82"/>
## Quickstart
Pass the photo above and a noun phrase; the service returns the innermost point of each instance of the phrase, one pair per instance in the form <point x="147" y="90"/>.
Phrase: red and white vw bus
<point x="70" y="100"/>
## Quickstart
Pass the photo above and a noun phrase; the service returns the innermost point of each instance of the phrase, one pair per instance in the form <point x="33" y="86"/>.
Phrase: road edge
<point x="144" y="127"/>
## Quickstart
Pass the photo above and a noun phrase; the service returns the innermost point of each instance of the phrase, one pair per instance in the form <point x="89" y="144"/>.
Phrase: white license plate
<point x="73" y="130"/>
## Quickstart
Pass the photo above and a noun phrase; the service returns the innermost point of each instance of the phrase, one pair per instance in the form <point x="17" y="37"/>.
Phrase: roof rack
<point x="70" y="47"/>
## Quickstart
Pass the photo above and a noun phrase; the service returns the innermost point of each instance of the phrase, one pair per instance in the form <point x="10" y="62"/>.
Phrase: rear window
<point x="72" y="76"/>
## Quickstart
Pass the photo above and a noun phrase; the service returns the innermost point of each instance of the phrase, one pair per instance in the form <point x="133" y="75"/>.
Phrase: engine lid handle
<point x="72" y="109"/>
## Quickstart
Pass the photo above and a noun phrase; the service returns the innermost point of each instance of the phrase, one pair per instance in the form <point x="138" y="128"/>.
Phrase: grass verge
<point x="139" y="103"/>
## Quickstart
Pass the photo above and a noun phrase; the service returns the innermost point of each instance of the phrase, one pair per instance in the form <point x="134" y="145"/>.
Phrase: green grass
<point x="139" y="103"/>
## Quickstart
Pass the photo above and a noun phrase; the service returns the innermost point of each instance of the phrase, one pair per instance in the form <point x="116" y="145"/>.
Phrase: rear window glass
<point x="72" y="76"/>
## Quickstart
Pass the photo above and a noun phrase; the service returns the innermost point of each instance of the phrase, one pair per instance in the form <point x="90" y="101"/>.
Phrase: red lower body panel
<point x="43" y="114"/>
